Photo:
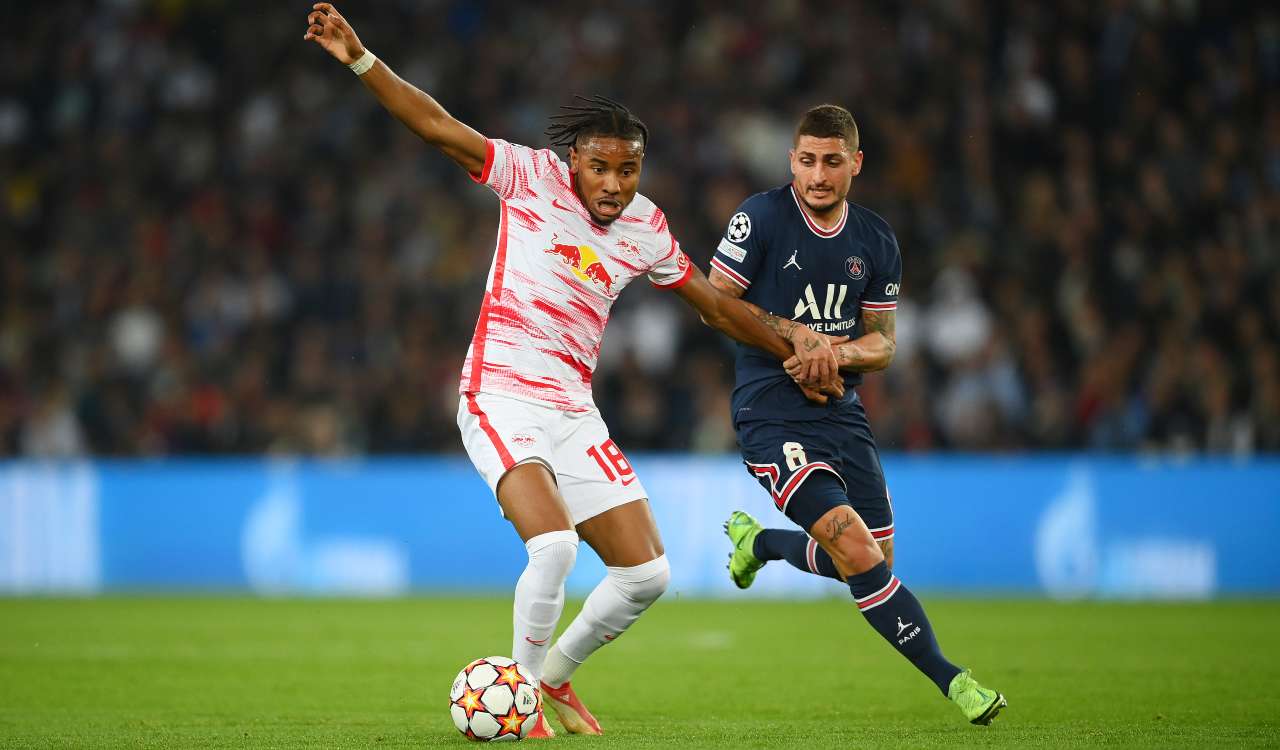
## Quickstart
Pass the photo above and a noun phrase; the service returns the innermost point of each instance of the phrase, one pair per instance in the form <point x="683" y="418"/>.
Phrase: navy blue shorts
<point x="783" y="455"/>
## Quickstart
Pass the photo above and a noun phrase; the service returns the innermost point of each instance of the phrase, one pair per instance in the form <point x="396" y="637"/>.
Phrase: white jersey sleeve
<point x="512" y="171"/>
<point x="671" y="267"/>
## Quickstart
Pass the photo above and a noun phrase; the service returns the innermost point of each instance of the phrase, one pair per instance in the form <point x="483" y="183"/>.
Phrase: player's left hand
<point x="815" y="357"/>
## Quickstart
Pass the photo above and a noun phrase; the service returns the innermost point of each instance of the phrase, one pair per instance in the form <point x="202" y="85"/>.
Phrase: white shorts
<point x="500" y="432"/>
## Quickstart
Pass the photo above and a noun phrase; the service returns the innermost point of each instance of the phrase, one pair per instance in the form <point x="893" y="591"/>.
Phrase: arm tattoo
<point x="836" y="526"/>
<point x="780" y="326"/>
<point x="882" y="323"/>
<point x="868" y="356"/>
<point x="848" y="356"/>
<point x="783" y="327"/>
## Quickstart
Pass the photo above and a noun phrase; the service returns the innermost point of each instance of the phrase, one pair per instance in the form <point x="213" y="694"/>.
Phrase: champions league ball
<point x="494" y="699"/>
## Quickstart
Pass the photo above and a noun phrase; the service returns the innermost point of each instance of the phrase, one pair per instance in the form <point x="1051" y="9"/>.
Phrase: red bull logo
<point x="597" y="274"/>
<point x="585" y="264"/>
<point x="571" y="254"/>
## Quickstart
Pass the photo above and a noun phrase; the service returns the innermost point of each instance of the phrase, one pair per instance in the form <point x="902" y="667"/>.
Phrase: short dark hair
<point x="596" y="115"/>
<point x="829" y="121"/>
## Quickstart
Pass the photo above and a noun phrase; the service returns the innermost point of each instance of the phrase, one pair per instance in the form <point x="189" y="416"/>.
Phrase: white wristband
<point x="362" y="66"/>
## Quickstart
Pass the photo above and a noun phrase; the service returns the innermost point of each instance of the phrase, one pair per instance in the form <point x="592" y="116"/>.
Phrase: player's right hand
<point x="332" y="32"/>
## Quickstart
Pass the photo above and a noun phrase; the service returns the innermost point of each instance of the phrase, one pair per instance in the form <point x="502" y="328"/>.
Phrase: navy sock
<point x="797" y="548"/>
<point x="896" y="614"/>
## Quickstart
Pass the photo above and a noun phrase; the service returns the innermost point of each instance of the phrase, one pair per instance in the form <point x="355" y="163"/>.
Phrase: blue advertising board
<point x="1063" y="526"/>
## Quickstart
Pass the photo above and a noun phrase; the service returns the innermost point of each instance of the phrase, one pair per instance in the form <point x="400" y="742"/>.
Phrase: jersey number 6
<point x="620" y="463"/>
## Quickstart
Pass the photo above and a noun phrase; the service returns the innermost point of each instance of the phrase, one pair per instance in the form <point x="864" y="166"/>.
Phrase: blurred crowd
<point x="212" y="239"/>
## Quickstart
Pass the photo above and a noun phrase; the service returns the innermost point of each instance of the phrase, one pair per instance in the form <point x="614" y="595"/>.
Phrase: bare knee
<point x="857" y="555"/>
<point x="845" y="537"/>
<point x="623" y="536"/>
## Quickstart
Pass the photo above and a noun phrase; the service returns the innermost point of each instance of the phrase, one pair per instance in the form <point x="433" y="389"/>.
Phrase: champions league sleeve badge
<point x="739" y="227"/>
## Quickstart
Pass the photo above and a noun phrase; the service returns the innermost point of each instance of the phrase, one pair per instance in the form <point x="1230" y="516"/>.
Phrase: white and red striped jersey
<point x="554" y="277"/>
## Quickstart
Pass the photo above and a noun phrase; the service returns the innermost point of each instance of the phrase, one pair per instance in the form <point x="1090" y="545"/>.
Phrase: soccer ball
<point x="494" y="699"/>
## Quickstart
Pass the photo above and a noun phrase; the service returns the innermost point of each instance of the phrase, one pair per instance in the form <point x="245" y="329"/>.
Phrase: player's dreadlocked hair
<point x="596" y="115"/>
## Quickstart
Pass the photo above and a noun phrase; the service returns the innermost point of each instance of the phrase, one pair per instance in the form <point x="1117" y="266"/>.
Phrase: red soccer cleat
<point x="541" y="730"/>
<point x="572" y="714"/>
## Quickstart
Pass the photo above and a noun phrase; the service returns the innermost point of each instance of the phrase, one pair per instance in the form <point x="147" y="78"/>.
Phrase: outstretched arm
<point x="732" y="317"/>
<point x="817" y="360"/>
<point x="422" y="114"/>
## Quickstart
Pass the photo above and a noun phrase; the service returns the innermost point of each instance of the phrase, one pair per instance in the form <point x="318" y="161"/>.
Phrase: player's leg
<point x="767" y="544"/>
<point x="530" y="500"/>
<point x="885" y="603"/>
<point x="895" y="613"/>
<point x="858" y="552"/>
<point x="781" y="456"/>
<point x="754" y="545"/>
<point x="613" y="516"/>
<point x="864" y="483"/>
<point x="891" y="609"/>
<point x="519" y="473"/>
<point x="637" y="573"/>
<point x="627" y="540"/>
<point x="844" y="443"/>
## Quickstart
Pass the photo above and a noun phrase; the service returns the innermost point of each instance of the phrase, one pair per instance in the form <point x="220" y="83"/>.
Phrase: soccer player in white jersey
<point x="570" y="237"/>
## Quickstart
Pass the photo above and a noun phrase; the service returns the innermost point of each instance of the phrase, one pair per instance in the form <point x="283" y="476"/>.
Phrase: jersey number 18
<point x="619" y="462"/>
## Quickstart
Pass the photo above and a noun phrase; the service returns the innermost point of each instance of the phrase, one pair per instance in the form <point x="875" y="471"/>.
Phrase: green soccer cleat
<point x="742" y="530"/>
<point x="980" y="705"/>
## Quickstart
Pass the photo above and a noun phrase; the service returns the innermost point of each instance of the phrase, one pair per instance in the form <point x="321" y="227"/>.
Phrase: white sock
<point x="540" y="596"/>
<point x="618" y="601"/>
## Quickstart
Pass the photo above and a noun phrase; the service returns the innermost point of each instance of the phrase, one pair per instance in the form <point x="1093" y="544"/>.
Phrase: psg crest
<point x="855" y="267"/>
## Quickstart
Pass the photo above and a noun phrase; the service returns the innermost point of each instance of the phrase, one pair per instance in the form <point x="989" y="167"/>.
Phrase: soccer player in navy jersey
<point x="802" y="254"/>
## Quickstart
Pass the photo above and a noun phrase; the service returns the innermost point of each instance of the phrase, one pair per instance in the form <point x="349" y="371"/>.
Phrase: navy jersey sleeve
<point x="741" y="249"/>
<point x="881" y="294"/>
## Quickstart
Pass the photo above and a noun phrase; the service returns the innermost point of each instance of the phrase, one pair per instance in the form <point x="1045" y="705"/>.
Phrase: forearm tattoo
<point x="780" y="326"/>
<point x="882" y="323"/>
<point x="848" y="355"/>
<point x="866" y="356"/>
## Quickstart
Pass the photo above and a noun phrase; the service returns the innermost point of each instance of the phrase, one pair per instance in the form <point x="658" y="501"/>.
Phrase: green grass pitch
<point x="247" y="673"/>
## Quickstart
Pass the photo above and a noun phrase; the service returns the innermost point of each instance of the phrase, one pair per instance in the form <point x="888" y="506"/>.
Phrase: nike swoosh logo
<point x="626" y="482"/>
<point x="555" y="202"/>
<point x="610" y="637"/>
<point x="542" y="642"/>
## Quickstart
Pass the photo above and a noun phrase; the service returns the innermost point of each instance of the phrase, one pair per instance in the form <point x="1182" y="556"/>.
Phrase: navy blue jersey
<point x="795" y="269"/>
